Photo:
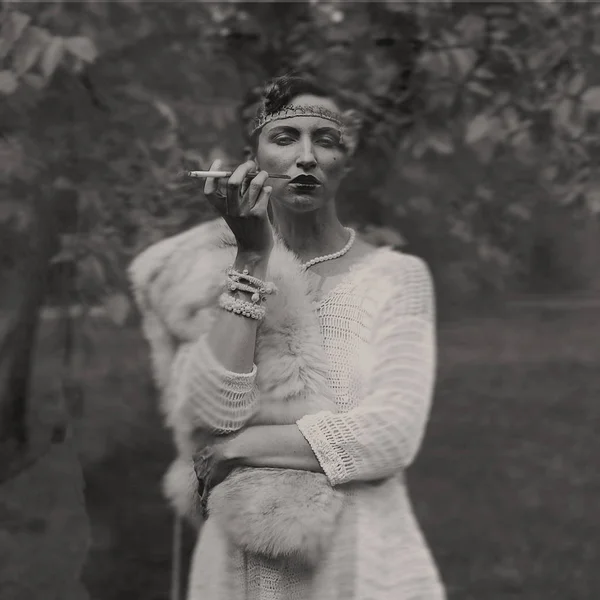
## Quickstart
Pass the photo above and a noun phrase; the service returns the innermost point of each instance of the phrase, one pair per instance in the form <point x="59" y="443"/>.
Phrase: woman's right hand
<point x="243" y="204"/>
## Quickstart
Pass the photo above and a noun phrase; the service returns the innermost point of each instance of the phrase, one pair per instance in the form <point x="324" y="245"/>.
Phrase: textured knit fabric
<point x="378" y="330"/>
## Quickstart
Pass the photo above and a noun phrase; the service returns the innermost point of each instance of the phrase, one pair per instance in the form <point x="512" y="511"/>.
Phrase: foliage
<point x="108" y="101"/>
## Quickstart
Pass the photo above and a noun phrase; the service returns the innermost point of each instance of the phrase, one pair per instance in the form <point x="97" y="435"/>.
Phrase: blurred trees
<point x="478" y="117"/>
<point x="481" y="122"/>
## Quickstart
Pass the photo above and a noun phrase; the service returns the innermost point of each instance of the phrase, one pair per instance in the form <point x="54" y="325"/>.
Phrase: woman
<point x="375" y="310"/>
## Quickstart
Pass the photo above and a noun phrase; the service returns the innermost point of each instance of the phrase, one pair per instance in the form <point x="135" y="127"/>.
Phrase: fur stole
<point x="278" y="513"/>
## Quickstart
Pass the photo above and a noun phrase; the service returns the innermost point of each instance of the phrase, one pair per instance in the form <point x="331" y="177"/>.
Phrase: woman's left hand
<point x="212" y="464"/>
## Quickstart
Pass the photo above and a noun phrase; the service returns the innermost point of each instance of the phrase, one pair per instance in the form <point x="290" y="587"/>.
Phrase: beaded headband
<point x="288" y="112"/>
<point x="349" y="120"/>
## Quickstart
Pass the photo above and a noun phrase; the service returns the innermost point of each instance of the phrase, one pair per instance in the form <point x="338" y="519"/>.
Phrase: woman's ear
<point x="249" y="154"/>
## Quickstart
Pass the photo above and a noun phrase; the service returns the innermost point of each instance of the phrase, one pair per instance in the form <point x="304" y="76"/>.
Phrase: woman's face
<point x="306" y="147"/>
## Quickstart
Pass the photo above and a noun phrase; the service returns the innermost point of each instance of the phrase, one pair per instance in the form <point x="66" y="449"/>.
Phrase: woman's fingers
<point x="210" y="184"/>
<point x="236" y="180"/>
<point x="255" y="189"/>
<point x="262" y="204"/>
<point x="235" y="188"/>
<point x="238" y="195"/>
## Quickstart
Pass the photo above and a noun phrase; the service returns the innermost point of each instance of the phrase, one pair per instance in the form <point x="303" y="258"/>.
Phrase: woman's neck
<point x="311" y="234"/>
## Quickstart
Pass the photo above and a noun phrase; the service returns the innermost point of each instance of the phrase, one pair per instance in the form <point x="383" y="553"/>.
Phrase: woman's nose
<point x="306" y="159"/>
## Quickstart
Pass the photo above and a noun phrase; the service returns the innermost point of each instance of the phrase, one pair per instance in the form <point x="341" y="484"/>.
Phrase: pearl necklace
<point x="320" y="259"/>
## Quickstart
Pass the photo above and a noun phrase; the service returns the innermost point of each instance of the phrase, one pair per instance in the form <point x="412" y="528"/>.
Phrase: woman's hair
<point x="276" y="94"/>
<point x="282" y="90"/>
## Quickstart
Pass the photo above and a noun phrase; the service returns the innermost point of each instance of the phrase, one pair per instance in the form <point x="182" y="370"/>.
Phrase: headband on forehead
<point x="290" y="111"/>
<point x="349" y="121"/>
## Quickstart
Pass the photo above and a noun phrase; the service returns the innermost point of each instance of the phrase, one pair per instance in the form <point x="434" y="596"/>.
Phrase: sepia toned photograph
<point x="299" y="300"/>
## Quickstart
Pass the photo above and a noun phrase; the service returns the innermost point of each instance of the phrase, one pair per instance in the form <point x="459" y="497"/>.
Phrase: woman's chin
<point x="302" y="201"/>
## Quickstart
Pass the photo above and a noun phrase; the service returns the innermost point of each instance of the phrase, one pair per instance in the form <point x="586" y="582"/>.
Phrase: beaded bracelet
<point x="234" y="286"/>
<point x="241" y="307"/>
<point x="258" y="288"/>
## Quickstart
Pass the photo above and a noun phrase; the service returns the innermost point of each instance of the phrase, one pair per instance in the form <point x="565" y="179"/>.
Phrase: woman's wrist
<point x="270" y="446"/>
<point x="245" y="444"/>
<point x="233" y="448"/>
<point x="255" y="262"/>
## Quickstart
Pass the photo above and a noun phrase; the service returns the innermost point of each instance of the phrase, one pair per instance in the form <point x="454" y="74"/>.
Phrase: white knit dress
<point x="378" y="328"/>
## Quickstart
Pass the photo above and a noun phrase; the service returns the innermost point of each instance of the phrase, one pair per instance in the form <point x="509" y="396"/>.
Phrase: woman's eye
<point x="329" y="141"/>
<point x="283" y="140"/>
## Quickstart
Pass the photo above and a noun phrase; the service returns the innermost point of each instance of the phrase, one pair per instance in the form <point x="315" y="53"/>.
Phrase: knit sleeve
<point x="383" y="433"/>
<point x="208" y="396"/>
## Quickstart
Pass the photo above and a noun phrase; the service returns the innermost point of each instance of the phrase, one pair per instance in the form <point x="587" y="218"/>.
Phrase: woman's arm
<point x="383" y="434"/>
<point x="232" y="338"/>
<point x="214" y="379"/>
<point x="273" y="446"/>
<point x="216" y="384"/>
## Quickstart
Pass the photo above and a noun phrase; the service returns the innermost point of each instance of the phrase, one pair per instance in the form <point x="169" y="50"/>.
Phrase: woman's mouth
<point x="305" y="183"/>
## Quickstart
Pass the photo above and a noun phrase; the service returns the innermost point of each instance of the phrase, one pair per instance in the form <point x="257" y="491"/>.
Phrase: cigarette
<point x="217" y="174"/>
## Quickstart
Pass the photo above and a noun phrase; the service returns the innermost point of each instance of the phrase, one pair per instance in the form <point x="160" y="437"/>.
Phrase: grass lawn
<point x="505" y="486"/>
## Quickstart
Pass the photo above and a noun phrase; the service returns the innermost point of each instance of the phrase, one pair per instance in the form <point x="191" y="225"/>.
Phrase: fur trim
<point x="176" y="283"/>
<point x="180" y="488"/>
<point x="292" y="515"/>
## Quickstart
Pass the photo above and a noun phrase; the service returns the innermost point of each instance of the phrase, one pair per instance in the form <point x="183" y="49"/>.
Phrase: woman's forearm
<point x="232" y="338"/>
<point x="274" y="446"/>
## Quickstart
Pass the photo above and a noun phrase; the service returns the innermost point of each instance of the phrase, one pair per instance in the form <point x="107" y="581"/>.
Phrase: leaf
<point x="484" y="192"/>
<point x="478" y="128"/>
<point x="64" y="255"/>
<point x="118" y="307"/>
<point x="27" y="51"/>
<point x="441" y="143"/>
<point x="419" y="149"/>
<point x="511" y="117"/>
<point x="464" y="59"/>
<point x="563" y="112"/>
<point x="477" y="88"/>
<point x="471" y="28"/>
<point x="12" y="28"/>
<point x="511" y="55"/>
<point x="576" y="84"/>
<point x="519" y="211"/>
<point x="461" y="231"/>
<point x="592" y="199"/>
<point x="550" y="172"/>
<point x="591" y="99"/>
<point x="525" y="150"/>
<point x="35" y="81"/>
<point x="8" y="82"/>
<point x="52" y="56"/>
<point x="167" y="112"/>
<point x="485" y="149"/>
<point x="82" y="47"/>
<point x="574" y="192"/>
<point x="483" y="73"/>
<point x="437" y="63"/>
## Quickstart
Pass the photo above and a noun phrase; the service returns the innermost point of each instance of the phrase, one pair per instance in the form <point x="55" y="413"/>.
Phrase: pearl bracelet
<point x="241" y="307"/>
<point x="245" y="282"/>
<point x="234" y="286"/>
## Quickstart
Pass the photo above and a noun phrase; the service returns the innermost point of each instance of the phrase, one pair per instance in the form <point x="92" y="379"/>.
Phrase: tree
<point x="111" y="100"/>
